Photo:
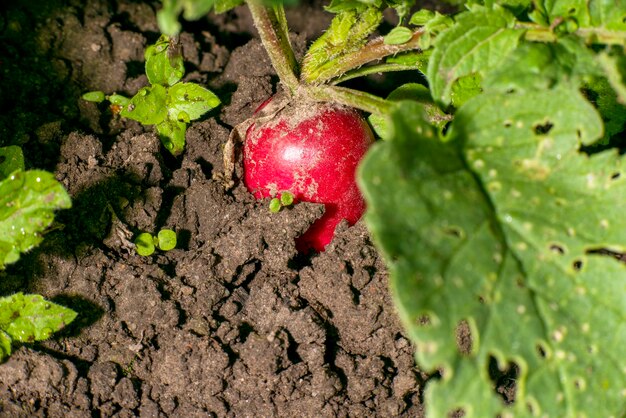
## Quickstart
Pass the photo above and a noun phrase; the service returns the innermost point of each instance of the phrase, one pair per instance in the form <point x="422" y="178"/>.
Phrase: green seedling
<point x="147" y="243"/>
<point x="491" y="201"/>
<point x="277" y="203"/>
<point x="168" y="104"/>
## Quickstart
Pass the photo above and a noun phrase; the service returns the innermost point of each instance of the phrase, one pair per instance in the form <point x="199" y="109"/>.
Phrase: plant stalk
<point x="373" y="51"/>
<point x="270" y="22"/>
<point x="349" y="97"/>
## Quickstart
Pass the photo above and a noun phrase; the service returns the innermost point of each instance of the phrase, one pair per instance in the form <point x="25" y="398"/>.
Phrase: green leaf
<point x="536" y="65"/>
<point x="28" y="200"/>
<point x="5" y="345"/>
<point x="275" y="205"/>
<point x="422" y="17"/>
<point x="347" y="33"/>
<point x="11" y="159"/>
<point x="222" y="6"/>
<point x="189" y="101"/>
<point x="28" y="318"/>
<point x="166" y="239"/>
<point x="172" y="135"/>
<point x="164" y="62"/>
<point x="614" y="67"/>
<point x="148" y="106"/>
<point x="502" y="227"/>
<point x="118" y="99"/>
<point x="398" y="35"/>
<point x="144" y="244"/>
<point x="286" y="199"/>
<point x="586" y="13"/>
<point x="480" y="40"/>
<point x="413" y="92"/>
<point x="94" y="96"/>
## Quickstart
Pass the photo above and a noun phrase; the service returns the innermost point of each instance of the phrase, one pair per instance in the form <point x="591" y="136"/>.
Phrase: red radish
<point x="311" y="150"/>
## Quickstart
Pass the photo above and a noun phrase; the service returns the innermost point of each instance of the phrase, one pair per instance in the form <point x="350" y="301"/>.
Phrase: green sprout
<point x="277" y="203"/>
<point x="167" y="103"/>
<point x="147" y="243"/>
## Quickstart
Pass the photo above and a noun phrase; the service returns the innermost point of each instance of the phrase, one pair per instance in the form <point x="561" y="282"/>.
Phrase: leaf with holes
<point x="479" y="40"/>
<point x="508" y="229"/>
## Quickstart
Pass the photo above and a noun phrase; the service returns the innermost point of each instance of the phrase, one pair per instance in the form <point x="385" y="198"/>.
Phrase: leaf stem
<point x="372" y="51"/>
<point x="270" y="22"/>
<point x="538" y="33"/>
<point x="349" y="97"/>
<point x="373" y="69"/>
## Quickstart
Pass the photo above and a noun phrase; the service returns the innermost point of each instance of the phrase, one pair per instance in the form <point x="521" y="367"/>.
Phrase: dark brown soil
<point x="233" y="322"/>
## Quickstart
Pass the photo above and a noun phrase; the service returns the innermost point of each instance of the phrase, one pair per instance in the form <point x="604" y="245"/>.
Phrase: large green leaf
<point x="480" y="40"/>
<point x="28" y="200"/>
<point x="28" y="318"/>
<point x="503" y="228"/>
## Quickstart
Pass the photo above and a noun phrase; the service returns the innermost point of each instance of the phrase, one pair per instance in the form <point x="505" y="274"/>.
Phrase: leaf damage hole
<point x="456" y="413"/>
<point x="508" y="123"/>
<point x="614" y="176"/>
<point x="464" y="340"/>
<point x="505" y="381"/>
<point x="543" y="129"/>
<point x="606" y="252"/>
<point x="577" y="264"/>
<point x="453" y="231"/>
<point x="423" y="320"/>
<point x="541" y="350"/>
<point x="556" y="248"/>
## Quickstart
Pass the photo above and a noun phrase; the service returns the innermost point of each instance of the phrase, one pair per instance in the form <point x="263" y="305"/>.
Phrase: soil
<point x="234" y="322"/>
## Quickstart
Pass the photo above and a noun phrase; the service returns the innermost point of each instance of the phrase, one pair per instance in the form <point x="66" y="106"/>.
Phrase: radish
<point x="310" y="150"/>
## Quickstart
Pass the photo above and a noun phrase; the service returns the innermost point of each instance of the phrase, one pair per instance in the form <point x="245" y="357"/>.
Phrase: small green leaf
<point x="144" y="244"/>
<point x="422" y="17"/>
<point x="148" y="106"/>
<point x="166" y="239"/>
<point x="172" y="135"/>
<point x="118" y="99"/>
<point x="11" y="159"/>
<point x="189" y="101"/>
<point x="275" y="205"/>
<point x="286" y="199"/>
<point x="94" y="96"/>
<point x="28" y="200"/>
<point x="398" y="35"/>
<point x="28" y="318"/>
<point x="164" y="62"/>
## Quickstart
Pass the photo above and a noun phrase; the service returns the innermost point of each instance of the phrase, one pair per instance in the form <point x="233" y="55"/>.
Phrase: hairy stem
<point x="271" y="24"/>
<point x="373" y="51"/>
<point x="349" y="97"/>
